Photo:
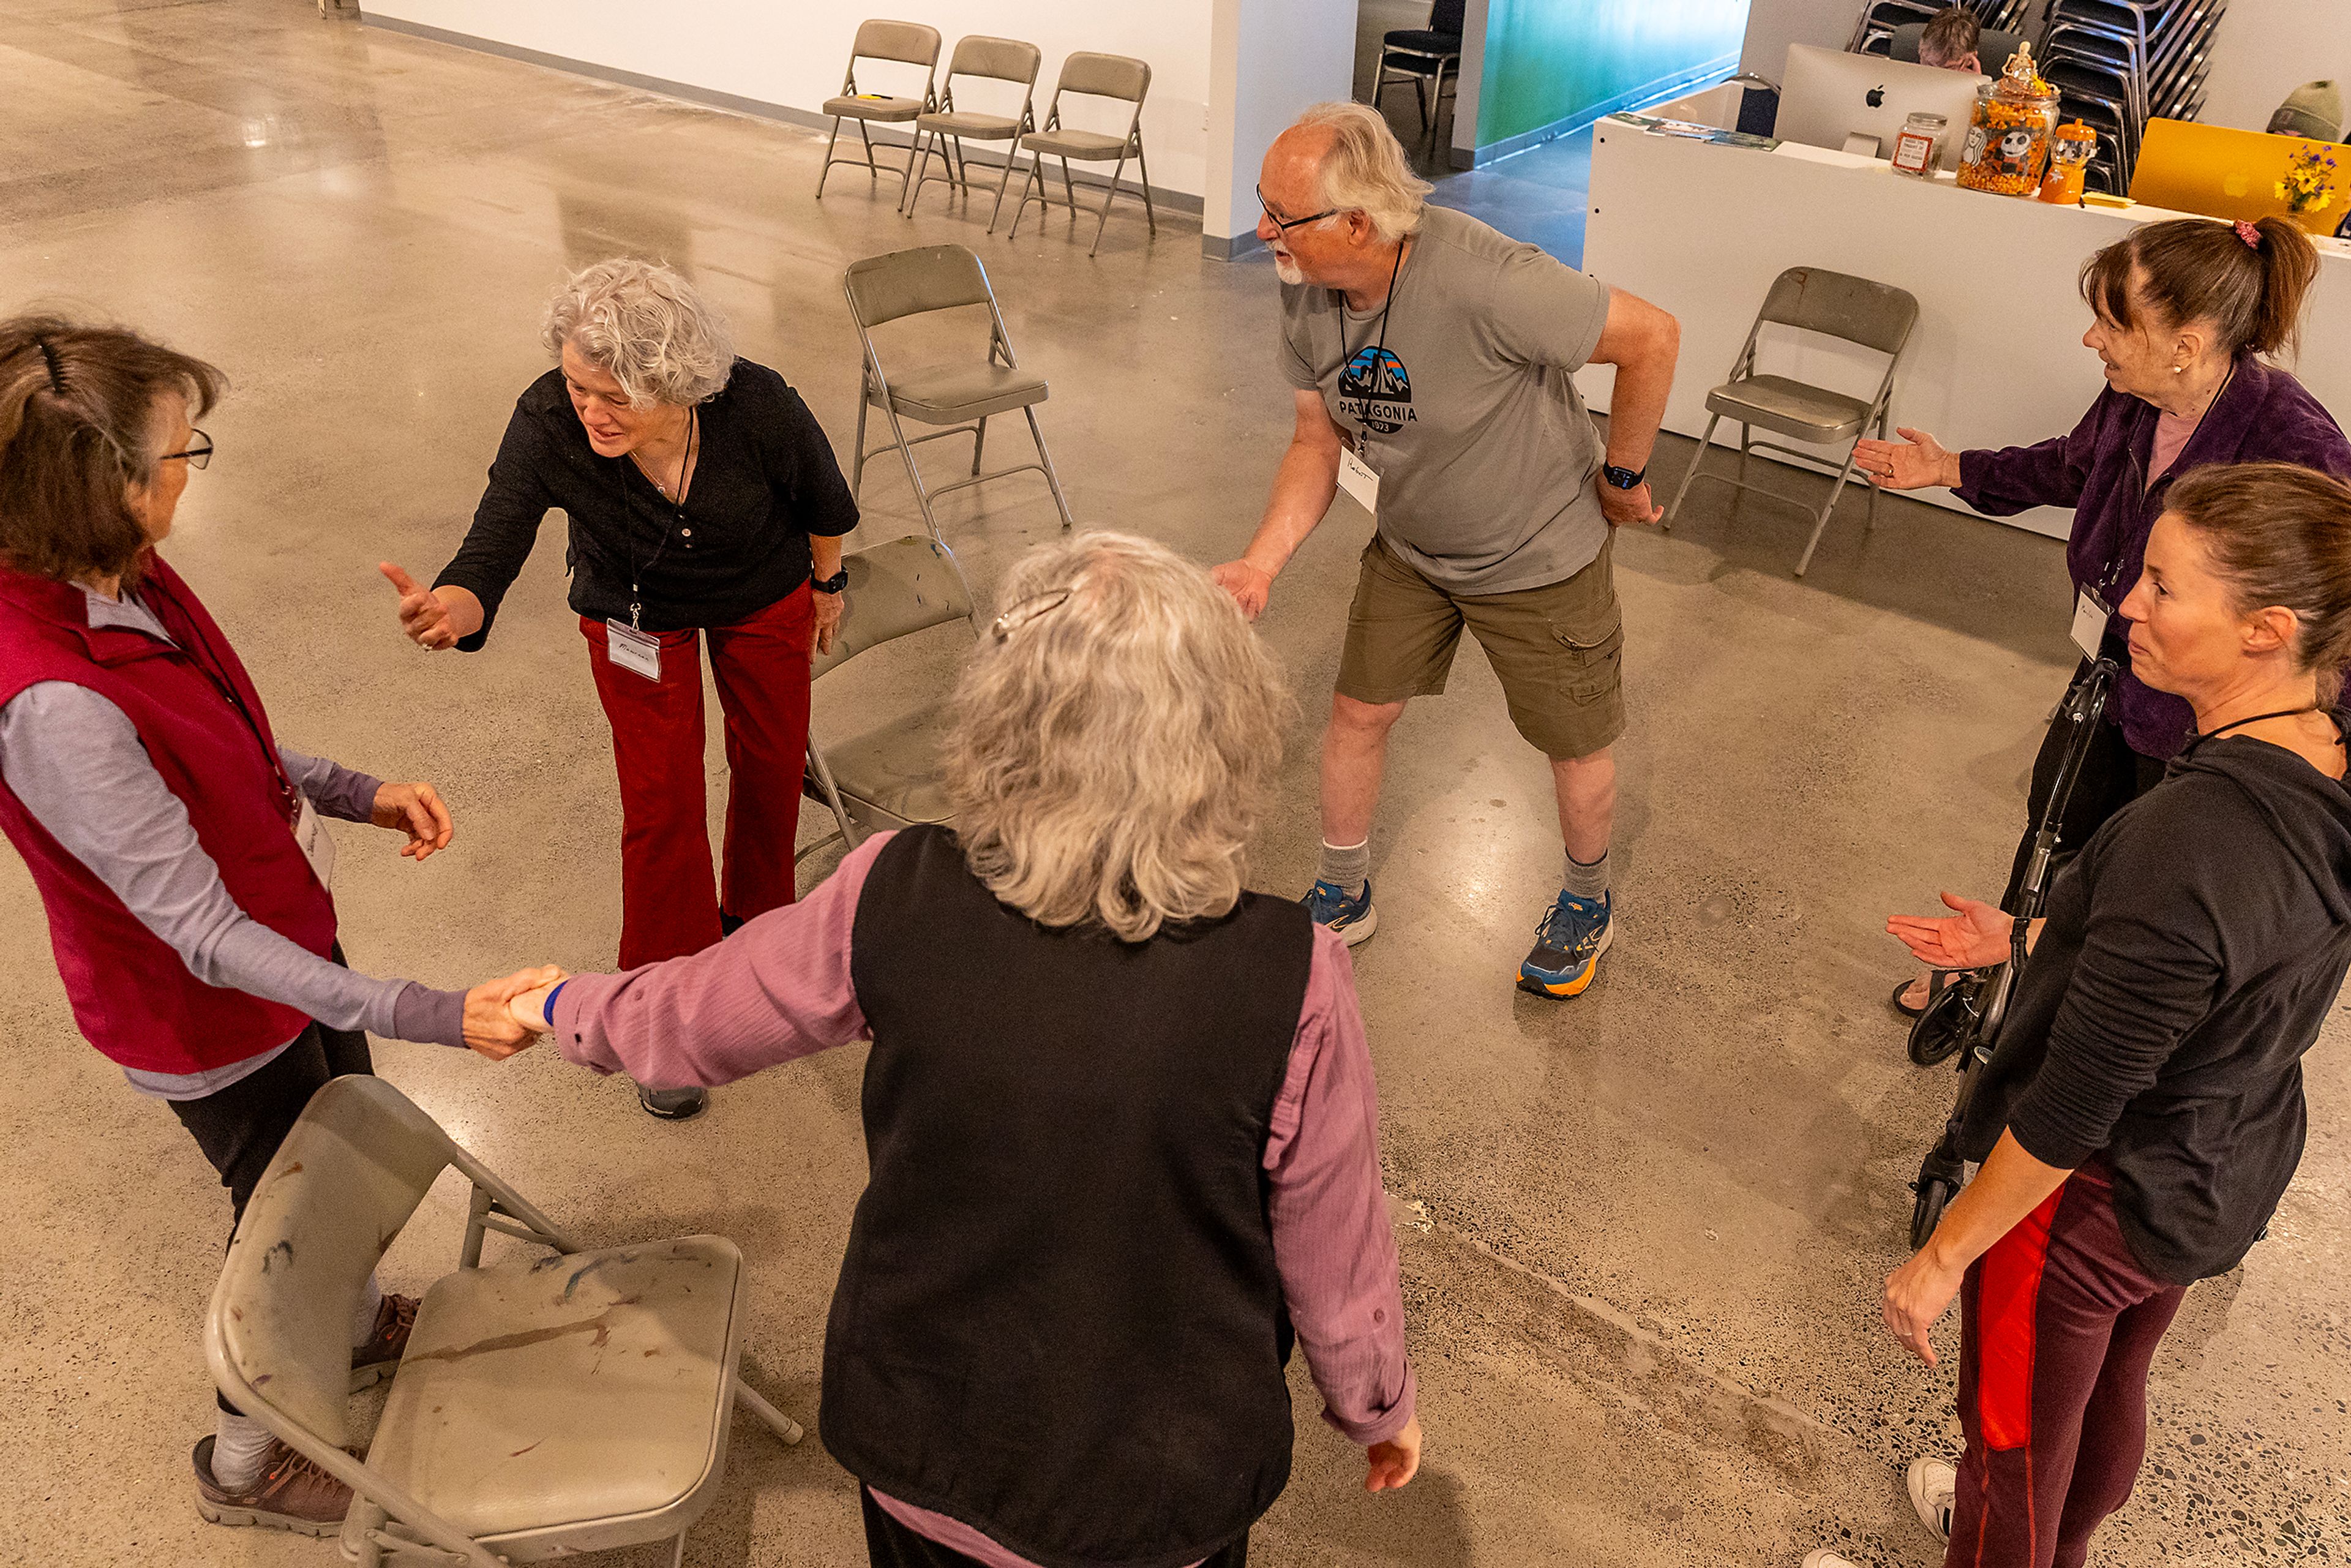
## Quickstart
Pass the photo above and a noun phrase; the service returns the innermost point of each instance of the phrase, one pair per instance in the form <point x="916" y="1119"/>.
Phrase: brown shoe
<point x="291" y="1493"/>
<point x="387" y="1341"/>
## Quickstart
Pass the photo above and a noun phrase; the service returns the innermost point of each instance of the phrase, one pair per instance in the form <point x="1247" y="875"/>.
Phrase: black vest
<point x="1059" y="1319"/>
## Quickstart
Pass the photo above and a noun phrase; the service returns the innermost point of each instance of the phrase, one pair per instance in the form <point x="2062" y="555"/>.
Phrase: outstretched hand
<point x="1913" y="463"/>
<point x="423" y="614"/>
<point x="1391" y="1463"/>
<point x="1976" y="937"/>
<point x="417" y="811"/>
<point x="494" y="1027"/>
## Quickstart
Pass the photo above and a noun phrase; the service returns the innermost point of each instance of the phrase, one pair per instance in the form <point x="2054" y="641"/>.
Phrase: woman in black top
<point x="2143" y="1111"/>
<point x="702" y="499"/>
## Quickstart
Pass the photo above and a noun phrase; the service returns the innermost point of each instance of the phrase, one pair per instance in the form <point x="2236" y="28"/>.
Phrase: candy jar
<point x="2008" y="135"/>
<point x="2070" y="150"/>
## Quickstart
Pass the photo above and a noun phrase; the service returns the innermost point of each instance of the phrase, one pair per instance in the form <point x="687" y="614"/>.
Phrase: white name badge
<point x="632" y="650"/>
<point x="1359" y="479"/>
<point x="2090" y="617"/>
<point x="318" y="844"/>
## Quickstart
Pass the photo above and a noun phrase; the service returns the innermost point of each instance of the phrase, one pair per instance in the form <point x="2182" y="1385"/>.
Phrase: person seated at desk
<point x="1119" y="1111"/>
<point x="2186" y="313"/>
<point x="2313" y="110"/>
<point x="1950" y="41"/>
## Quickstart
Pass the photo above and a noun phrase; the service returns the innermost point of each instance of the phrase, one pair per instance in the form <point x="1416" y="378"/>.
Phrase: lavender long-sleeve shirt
<point x="780" y="989"/>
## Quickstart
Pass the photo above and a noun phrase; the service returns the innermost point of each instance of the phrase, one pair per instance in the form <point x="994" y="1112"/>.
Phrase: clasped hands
<point x="507" y="1016"/>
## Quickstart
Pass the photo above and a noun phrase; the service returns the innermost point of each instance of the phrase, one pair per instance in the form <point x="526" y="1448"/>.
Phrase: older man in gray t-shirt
<point x="1430" y="356"/>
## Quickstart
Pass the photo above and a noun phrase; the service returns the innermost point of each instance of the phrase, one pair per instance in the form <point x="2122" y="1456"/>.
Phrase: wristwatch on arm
<point x="1624" y="478"/>
<point x="833" y="584"/>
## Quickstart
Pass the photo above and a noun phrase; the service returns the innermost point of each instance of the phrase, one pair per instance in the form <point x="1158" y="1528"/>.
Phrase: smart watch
<point x="1623" y="478"/>
<point x="833" y="584"/>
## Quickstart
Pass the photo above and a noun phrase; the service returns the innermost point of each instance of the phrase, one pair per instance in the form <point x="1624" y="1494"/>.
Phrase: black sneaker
<point x="672" y="1104"/>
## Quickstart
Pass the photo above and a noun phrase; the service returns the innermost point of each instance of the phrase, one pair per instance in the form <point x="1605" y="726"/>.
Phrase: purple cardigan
<point x="2263" y="415"/>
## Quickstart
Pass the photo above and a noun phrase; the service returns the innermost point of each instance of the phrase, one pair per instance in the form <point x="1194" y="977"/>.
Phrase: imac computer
<point x="1858" y="103"/>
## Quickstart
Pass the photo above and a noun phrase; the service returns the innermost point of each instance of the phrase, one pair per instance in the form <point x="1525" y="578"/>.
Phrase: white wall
<point x="2266" y="48"/>
<point x="1270" y="59"/>
<point x="791" y="55"/>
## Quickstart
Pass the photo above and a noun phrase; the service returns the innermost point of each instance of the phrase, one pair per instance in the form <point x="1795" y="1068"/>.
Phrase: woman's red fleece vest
<point x="203" y="729"/>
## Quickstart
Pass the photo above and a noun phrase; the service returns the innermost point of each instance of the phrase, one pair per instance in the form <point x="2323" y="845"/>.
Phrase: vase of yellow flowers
<point x="2307" y="187"/>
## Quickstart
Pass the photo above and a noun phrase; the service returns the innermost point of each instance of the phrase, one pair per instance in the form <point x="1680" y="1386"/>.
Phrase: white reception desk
<point x="1996" y="359"/>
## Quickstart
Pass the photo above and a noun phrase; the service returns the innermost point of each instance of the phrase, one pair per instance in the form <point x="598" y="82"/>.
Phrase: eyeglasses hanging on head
<point x="1028" y="609"/>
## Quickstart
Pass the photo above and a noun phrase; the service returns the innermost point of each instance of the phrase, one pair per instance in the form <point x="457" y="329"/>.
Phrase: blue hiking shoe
<point x="1353" y="919"/>
<point x="1568" y="941"/>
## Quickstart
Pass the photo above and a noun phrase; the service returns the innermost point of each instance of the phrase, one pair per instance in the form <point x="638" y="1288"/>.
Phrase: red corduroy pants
<point x="670" y="899"/>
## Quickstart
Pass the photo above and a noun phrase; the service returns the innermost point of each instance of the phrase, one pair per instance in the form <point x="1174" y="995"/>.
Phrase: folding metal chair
<point x="889" y="776"/>
<point x="1422" y="56"/>
<point x="545" y="1407"/>
<point x="1836" y="305"/>
<point x="982" y="58"/>
<point x="1088" y="76"/>
<point x="910" y="43"/>
<point x="885" y="288"/>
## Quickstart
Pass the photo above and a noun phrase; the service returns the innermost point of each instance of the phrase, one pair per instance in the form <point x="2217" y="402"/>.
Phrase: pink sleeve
<point x="1331" y="1239"/>
<point x="777" y="990"/>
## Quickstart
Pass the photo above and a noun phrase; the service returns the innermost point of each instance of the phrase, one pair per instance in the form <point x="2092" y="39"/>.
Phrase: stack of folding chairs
<point x="2118" y="64"/>
<point x="1875" y="29"/>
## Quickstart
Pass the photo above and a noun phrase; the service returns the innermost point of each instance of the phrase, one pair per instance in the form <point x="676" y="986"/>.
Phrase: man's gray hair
<point x="1364" y="169"/>
<point x="1114" y="740"/>
<point x="646" y="327"/>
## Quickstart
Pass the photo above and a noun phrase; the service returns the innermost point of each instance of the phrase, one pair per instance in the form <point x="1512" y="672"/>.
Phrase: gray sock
<point x="1587" y="882"/>
<point x="1348" y="868"/>
<point x="364" y="1309"/>
<point x="241" y="1445"/>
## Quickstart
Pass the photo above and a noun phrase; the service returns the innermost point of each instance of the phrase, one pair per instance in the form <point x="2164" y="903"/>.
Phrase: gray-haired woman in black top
<point x="705" y="505"/>
<point x="2143" y="1111"/>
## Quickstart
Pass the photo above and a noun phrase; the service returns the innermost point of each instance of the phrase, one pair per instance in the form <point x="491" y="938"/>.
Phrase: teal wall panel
<point x="1549" y="60"/>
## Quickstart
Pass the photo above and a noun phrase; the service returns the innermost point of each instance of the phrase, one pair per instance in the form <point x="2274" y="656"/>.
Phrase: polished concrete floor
<point x="1642" y="1232"/>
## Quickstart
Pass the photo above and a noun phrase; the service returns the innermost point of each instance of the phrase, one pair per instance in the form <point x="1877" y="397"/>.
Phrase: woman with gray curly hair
<point x="702" y="499"/>
<point x="1119" y="1111"/>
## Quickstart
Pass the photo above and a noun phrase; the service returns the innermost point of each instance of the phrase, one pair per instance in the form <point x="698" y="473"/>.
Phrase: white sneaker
<point x="1933" y="1487"/>
<point x="1824" y="1558"/>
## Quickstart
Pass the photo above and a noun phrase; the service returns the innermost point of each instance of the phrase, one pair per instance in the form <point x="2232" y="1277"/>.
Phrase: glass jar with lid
<point x="2008" y="139"/>
<point x="1919" y="144"/>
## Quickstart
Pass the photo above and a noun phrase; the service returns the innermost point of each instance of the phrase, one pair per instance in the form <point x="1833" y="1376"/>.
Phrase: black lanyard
<point x="2240" y="723"/>
<point x="677" y="519"/>
<point x="1387" y="305"/>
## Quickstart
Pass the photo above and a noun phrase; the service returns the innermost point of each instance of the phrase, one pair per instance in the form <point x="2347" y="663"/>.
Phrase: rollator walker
<point x="1964" y="1017"/>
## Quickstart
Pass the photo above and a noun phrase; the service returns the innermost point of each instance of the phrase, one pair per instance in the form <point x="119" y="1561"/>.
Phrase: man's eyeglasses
<point x="1283" y="226"/>
<point x="198" y="455"/>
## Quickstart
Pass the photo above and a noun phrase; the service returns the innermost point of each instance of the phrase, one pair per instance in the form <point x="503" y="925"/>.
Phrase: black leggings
<point x="2112" y="777"/>
<point x="240" y="1127"/>
<point x="891" y="1544"/>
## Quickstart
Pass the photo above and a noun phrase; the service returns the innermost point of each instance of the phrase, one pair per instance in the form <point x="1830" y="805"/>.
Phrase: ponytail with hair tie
<point x="2250" y="235"/>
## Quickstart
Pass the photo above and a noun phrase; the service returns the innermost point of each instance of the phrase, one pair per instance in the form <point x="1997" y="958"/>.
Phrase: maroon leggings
<point x="2058" y="1327"/>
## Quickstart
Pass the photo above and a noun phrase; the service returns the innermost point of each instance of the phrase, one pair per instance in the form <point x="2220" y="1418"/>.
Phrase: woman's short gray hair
<point x="1114" y="738"/>
<point x="646" y="327"/>
<point x="1364" y="169"/>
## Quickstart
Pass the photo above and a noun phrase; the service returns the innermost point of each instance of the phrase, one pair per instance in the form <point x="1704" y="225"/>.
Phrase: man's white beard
<point x="1286" y="269"/>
